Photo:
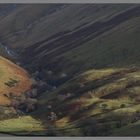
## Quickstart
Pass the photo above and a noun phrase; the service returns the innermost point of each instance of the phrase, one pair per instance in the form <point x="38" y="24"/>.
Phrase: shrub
<point x="104" y="106"/>
<point x="122" y="106"/>
<point x="11" y="82"/>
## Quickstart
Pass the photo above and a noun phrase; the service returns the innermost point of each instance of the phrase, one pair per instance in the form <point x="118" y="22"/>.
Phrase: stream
<point x="7" y="51"/>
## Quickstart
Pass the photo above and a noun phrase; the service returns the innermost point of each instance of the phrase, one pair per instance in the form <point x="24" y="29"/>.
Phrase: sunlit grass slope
<point x="100" y="102"/>
<point x="23" y="125"/>
<point x="9" y="72"/>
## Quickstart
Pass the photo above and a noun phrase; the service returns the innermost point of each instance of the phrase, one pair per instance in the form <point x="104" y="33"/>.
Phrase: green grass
<point x="101" y="82"/>
<point x="23" y="125"/>
<point x="109" y="99"/>
<point x="129" y="130"/>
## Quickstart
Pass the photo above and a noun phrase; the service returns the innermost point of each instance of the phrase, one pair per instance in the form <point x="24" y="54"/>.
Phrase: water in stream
<point x="7" y="51"/>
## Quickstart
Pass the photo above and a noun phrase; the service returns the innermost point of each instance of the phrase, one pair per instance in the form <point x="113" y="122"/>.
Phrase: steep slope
<point x="54" y="32"/>
<point x="6" y="9"/>
<point x="81" y="32"/>
<point x="32" y="23"/>
<point x="19" y="27"/>
<point x="104" y="42"/>
<point x="13" y="79"/>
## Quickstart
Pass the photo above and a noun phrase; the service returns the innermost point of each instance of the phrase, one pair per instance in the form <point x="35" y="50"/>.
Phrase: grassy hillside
<point x="95" y="103"/>
<point x="91" y="101"/>
<point x="74" y="34"/>
<point x="13" y="79"/>
<point x="14" y="82"/>
<point x="118" y="47"/>
<point x="88" y="55"/>
<point x="130" y="130"/>
<point x="21" y="126"/>
<point x="33" y="23"/>
<point x="106" y="41"/>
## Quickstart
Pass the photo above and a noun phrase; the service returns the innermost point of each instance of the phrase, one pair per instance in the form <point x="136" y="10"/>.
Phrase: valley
<point x="70" y="70"/>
